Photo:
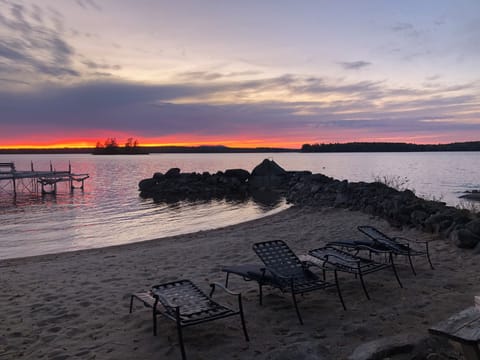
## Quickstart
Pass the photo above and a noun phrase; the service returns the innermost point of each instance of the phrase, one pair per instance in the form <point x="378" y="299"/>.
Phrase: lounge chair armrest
<point x="163" y="300"/>
<point x="214" y="285"/>
<point x="228" y="291"/>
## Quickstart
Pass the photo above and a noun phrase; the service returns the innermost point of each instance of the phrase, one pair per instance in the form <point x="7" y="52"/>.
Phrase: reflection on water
<point x="267" y="199"/>
<point x="110" y="211"/>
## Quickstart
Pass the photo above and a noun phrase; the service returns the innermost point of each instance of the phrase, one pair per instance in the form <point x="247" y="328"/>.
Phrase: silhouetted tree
<point x="111" y="143"/>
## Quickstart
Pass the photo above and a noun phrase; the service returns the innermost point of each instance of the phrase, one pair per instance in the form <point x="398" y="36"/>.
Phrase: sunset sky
<point x="238" y="73"/>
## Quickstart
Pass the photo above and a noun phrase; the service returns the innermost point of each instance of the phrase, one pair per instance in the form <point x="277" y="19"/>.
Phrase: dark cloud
<point x="97" y="66"/>
<point x="413" y="41"/>
<point x="13" y="81"/>
<point x="408" y="30"/>
<point x="433" y="77"/>
<point x="402" y="27"/>
<point x="200" y="75"/>
<point x="37" y="13"/>
<point x="355" y="65"/>
<point x="101" y="74"/>
<point x="304" y="85"/>
<point x="33" y="46"/>
<point x="160" y="110"/>
<point x="88" y="4"/>
<point x="208" y="76"/>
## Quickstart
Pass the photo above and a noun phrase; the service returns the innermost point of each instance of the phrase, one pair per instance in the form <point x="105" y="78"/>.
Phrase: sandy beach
<point x="75" y="305"/>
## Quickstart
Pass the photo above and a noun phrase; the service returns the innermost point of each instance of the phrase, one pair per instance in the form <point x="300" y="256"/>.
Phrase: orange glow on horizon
<point x="290" y="141"/>
<point x="233" y="143"/>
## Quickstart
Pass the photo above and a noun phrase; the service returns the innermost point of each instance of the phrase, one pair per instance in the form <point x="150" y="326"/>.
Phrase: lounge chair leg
<point x="154" y="319"/>
<point x="430" y="261"/>
<point x="395" y="271"/>
<point x="428" y="256"/>
<point x="242" y="318"/>
<point x="212" y="291"/>
<point x="260" y="293"/>
<point x="411" y="264"/>
<point x="363" y="286"/>
<point x="339" y="291"/>
<point x="131" y="303"/>
<point x="296" y="308"/>
<point x="180" y="334"/>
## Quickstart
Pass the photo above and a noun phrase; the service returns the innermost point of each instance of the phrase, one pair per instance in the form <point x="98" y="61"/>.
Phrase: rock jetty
<point x="302" y="188"/>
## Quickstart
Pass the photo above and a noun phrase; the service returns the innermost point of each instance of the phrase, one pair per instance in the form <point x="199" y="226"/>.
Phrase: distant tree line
<point x="389" y="147"/>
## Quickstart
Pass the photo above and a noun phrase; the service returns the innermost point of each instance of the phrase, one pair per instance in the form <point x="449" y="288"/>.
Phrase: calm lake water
<point x="109" y="211"/>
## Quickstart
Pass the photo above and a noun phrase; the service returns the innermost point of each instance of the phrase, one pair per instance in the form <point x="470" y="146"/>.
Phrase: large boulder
<point x="464" y="238"/>
<point x="268" y="168"/>
<point x="385" y="347"/>
<point x="268" y="174"/>
<point x="474" y="226"/>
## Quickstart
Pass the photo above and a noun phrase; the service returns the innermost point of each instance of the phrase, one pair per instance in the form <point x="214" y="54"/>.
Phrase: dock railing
<point x="28" y="180"/>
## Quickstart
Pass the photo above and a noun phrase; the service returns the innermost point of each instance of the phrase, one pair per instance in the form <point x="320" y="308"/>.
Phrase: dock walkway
<point x="34" y="181"/>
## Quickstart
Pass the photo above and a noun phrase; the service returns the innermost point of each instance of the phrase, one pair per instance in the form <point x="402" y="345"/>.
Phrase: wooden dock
<point x="33" y="181"/>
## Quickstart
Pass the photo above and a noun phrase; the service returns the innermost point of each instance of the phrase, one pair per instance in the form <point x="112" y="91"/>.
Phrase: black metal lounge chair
<point x="283" y="270"/>
<point x="331" y="257"/>
<point x="397" y="245"/>
<point x="379" y="243"/>
<point x="185" y="304"/>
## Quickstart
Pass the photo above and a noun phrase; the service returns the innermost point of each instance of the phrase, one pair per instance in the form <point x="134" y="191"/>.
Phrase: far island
<point x="111" y="147"/>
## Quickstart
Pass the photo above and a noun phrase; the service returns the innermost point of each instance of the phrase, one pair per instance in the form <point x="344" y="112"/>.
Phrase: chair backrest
<point x="376" y="235"/>
<point x="277" y="256"/>
<point x="382" y="239"/>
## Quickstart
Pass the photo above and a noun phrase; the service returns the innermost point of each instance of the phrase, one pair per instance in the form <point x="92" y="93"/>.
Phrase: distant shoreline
<point x="354" y="147"/>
